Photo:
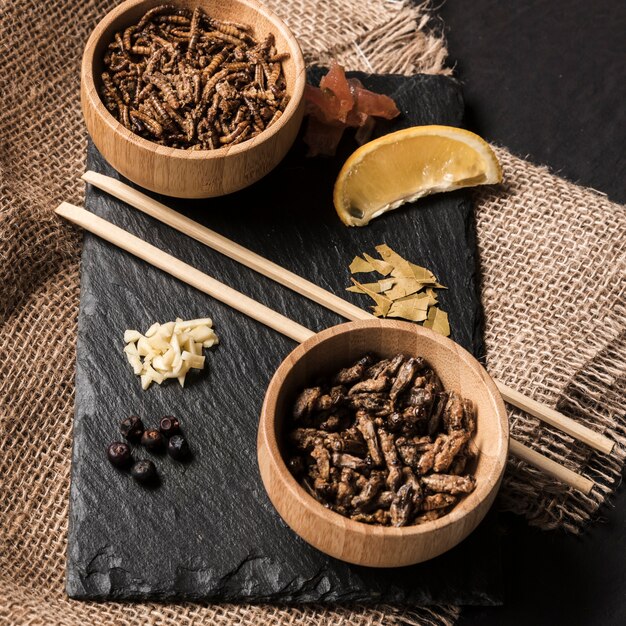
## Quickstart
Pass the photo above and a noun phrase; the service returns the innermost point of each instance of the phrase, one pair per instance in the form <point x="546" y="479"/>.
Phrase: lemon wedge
<point x="409" y="164"/>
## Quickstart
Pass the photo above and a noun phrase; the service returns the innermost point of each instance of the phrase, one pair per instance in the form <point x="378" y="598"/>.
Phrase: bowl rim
<point x="90" y="91"/>
<point x="267" y="436"/>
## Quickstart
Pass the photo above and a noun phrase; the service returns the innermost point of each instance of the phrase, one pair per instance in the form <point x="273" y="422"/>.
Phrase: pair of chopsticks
<point x="282" y="324"/>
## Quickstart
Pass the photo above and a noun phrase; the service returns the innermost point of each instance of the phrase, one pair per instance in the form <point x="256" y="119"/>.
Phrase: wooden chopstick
<point x="225" y="246"/>
<point x="194" y="277"/>
<point x="184" y="272"/>
<point x="312" y="291"/>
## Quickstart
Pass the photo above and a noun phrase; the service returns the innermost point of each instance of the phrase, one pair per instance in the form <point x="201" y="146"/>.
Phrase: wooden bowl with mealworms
<point x="201" y="99"/>
<point x="371" y="544"/>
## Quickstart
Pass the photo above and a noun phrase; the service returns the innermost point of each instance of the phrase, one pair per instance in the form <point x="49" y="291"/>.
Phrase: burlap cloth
<point x="553" y="291"/>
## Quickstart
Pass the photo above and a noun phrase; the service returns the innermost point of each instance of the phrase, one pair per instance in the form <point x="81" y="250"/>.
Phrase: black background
<point x="547" y="80"/>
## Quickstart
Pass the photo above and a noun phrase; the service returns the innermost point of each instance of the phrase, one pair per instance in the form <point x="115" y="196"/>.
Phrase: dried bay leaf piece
<point x="408" y="293"/>
<point x="382" y="302"/>
<point x="371" y="286"/>
<point x="401" y="267"/>
<point x="386" y="284"/>
<point x="382" y="267"/>
<point x="438" y="321"/>
<point x="403" y="287"/>
<point x="379" y="311"/>
<point x="421" y="298"/>
<point x="359" y="266"/>
<point x="409" y="309"/>
<point x="422" y="274"/>
<point x="432" y="297"/>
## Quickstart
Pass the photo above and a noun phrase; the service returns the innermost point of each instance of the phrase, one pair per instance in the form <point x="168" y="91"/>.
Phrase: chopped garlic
<point x="193" y="360"/>
<point x="201" y="333"/>
<point x="169" y="350"/>
<point x="131" y="335"/>
<point x="153" y="329"/>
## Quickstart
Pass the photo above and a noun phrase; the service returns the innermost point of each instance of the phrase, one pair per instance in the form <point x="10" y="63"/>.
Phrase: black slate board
<point x="208" y="531"/>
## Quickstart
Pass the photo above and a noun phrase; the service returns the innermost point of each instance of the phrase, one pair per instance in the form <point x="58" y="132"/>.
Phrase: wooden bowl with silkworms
<point x="365" y="543"/>
<point x="205" y="131"/>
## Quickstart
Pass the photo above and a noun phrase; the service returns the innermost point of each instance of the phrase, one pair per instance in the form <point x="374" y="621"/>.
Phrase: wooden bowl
<point x="356" y="542"/>
<point x="189" y="173"/>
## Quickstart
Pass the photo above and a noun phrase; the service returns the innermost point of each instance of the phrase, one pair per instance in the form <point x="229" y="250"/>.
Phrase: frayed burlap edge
<point x="595" y="397"/>
<point x="405" y="44"/>
<point x="554" y="295"/>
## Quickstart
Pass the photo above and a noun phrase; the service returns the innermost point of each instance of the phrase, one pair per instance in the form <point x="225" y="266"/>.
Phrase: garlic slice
<point x="169" y="350"/>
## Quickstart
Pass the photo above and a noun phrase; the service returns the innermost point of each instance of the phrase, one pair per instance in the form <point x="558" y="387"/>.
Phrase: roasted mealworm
<point x="197" y="87"/>
<point x="210" y="69"/>
<point x="229" y="138"/>
<point x="179" y="20"/>
<point x="185" y="80"/>
<point x="258" y="75"/>
<point x="154" y="60"/>
<point x="160" y="111"/>
<point x="158" y="10"/>
<point x="236" y="67"/>
<point x="144" y="50"/>
<point x="246" y="28"/>
<point x="152" y="125"/>
<point x="193" y="31"/>
<point x="145" y="91"/>
<point x="229" y="29"/>
<point x="210" y="85"/>
<point x="164" y="42"/>
<point x="242" y="137"/>
<point x="119" y="41"/>
<point x="216" y="34"/>
<point x="127" y="37"/>
<point x="275" y="73"/>
<point x="174" y="116"/>
<point x="160" y="82"/>
<point x="275" y="117"/>
<point x="279" y="58"/>
<point x="123" y="108"/>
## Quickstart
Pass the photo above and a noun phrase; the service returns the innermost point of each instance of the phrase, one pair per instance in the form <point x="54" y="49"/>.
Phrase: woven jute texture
<point x="553" y="293"/>
<point x="553" y="261"/>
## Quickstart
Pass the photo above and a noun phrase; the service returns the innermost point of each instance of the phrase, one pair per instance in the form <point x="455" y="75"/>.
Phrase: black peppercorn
<point x="132" y="427"/>
<point x="119" y="454"/>
<point x="178" y="448"/>
<point x="143" y="471"/>
<point x="152" y="439"/>
<point x="169" y="426"/>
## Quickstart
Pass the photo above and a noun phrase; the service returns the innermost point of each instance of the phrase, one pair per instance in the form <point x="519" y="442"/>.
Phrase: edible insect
<point x="119" y="454"/>
<point x="162" y="74"/>
<point x="382" y="442"/>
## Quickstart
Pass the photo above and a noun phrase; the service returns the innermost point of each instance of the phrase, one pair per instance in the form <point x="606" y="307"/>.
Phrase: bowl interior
<point x="459" y="371"/>
<point x="250" y="12"/>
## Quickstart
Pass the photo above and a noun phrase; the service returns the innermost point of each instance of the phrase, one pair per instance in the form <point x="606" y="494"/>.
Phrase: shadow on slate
<point x="209" y="532"/>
